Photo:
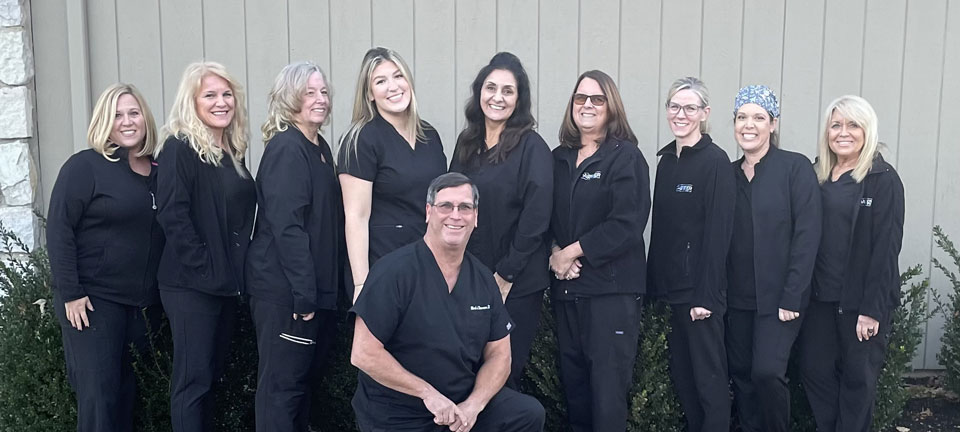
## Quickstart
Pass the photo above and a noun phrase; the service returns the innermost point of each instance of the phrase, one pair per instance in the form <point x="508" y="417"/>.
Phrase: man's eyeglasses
<point x="597" y="100"/>
<point x="446" y="208"/>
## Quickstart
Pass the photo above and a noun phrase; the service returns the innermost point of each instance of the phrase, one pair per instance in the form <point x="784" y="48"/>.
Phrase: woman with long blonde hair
<point x="206" y="202"/>
<point x="104" y="245"/>
<point x="386" y="161"/>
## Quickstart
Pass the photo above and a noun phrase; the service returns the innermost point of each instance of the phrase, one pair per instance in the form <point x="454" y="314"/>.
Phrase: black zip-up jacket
<point x="102" y="233"/>
<point x="693" y="205"/>
<point x="294" y="258"/>
<point x="786" y="210"/>
<point x="604" y="204"/>
<point x="516" y="199"/>
<point x="872" y="276"/>
<point x="202" y="252"/>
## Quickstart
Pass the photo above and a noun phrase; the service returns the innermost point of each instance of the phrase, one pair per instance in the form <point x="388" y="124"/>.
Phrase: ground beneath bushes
<point x="930" y="409"/>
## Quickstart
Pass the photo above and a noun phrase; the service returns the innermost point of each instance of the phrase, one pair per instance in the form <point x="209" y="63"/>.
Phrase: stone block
<point x="16" y="56"/>
<point x="16" y="113"/>
<point x="20" y="220"/>
<point x="13" y="13"/>
<point x="16" y="183"/>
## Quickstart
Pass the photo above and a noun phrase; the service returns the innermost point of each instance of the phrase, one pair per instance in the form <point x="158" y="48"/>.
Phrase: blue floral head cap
<point x="760" y="95"/>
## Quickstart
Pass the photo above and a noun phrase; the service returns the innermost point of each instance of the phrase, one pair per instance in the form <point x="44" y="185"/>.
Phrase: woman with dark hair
<point x="206" y="201"/>
<point x="776" y="232"/>
<point x="511" y="166"/>
<point x="293" y="266"/>
<point x="856" y="280"/>
<point x="693" y="203"/>
<point x="386" y="160"/>
<point x="105" y="245"/>
<point x="601" y="202"/>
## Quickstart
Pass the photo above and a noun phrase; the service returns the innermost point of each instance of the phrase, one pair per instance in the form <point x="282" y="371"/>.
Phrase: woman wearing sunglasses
<point x="693" y="202"/>
<point x="601" y="202"/>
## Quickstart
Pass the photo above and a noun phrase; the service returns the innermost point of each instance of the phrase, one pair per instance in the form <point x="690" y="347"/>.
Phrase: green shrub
<point x="949" y="355"/>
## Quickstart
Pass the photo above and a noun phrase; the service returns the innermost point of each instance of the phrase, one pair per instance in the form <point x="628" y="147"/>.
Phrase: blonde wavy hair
<point x="860" y="112"/>
<point x="286" y="97"/>
<point x="365" y="109"/>
<point x="101" y="122"/>
<point x="184" y="123"/>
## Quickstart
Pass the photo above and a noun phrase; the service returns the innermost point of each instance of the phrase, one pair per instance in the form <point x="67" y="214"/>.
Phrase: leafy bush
<point x="949" y="355"/>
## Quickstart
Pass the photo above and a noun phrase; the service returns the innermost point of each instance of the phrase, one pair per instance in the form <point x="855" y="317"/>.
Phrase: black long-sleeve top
<point x="872" y="275"/>
<point x="516" y="199"/>
<point x="693" y="205"/>
<point x="604" y="204"/>
<point x="102" y="234"/>
<point x="785" y="213"/>
<point x="207" y="214"/>
<point x="294" y="258"/>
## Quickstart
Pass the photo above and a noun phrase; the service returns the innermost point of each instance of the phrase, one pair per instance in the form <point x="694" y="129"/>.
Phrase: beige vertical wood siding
<point x="901" y="55"/>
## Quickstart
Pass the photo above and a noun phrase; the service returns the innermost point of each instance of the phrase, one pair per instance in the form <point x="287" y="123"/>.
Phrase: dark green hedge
<point x="35" y="396"/>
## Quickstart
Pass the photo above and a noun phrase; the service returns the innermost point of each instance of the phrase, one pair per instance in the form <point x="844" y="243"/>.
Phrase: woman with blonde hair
<point x="293" y="265"/>
<point x="386" y="161"/>
<point x="206" y="202"/>
<point x="104" y="245"/>
<point x="856" y="278"/>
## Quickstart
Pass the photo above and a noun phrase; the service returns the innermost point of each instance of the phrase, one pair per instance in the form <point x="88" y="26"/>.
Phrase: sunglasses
<point x="596" y="100"/>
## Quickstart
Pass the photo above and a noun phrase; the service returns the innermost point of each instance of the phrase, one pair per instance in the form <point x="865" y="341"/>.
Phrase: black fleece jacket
<point x="102" y="233"/>
<point x="196" y="200"/>
<point x="693" y="205"/>
<point x="604" y="204"/>
<point x="872" y="276"/>
<point x="295" y="256"/>
<point x="785" y="205"/>
<point x="516" y="199"/>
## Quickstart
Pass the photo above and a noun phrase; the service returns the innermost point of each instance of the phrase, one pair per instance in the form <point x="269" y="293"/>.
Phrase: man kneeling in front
<point x="432" y="337"/>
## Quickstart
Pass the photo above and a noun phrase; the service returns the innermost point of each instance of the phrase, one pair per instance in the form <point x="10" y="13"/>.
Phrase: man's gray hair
<point x="448" y="180"/>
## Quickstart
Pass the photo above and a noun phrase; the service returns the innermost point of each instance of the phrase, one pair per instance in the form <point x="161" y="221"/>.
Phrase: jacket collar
<point x="671" y="148"/>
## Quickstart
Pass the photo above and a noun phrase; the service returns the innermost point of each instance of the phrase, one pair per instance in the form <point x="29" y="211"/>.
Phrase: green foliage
<point x="34" y="394"/>
<point x="949" y="355"/>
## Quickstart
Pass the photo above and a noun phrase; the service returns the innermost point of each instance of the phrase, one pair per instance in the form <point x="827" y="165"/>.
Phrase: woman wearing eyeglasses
<point x="601" y="202"/>
<point x="511" y="166"/>
<point x="693" y="203"/>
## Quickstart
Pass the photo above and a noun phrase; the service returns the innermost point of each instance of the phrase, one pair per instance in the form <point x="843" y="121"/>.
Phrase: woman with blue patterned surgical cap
<point x="776" y="232"/>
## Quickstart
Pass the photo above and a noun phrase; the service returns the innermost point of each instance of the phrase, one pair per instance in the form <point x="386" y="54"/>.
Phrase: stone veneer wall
<point x="18" y="171"/>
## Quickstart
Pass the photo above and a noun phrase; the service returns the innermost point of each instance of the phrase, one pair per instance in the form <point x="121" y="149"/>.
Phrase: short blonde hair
<point x="184" y="123"/>
<point x="698" y="88"/>
<point x="365" y="109"/>
<point x="287" y="95"/>
<point x="101" y="122"/>
<point x="859" y="111"/>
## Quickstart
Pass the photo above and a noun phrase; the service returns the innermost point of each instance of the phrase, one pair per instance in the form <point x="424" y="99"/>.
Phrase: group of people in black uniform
<point x="752" y="255"/>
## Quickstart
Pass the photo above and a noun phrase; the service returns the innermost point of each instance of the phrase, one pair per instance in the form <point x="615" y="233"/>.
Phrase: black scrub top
<point x="516" y="200"/>
<point x="828" y="275"/>
<point x="401" y="175"/>
<point x="241" y="197"/>
<point x="435" y="334"/>
<point x="742" y="292"/>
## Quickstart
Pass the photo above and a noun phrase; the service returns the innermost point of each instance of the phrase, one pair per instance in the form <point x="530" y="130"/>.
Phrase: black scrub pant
<point x="100" y="361"/>
<point x="597" y="339"/>
<point x="202" y="326"/>
<point x="291" y="353"/>
<point x="698" y="366"/>
<point x="525" y="313"/>
<point x="507" y="411"/>
<point x="839" y="373"/>
<point x="758" y="350"/>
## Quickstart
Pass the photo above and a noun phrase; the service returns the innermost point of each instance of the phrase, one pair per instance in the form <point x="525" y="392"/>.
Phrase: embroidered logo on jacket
<point x="685" y="188"/>
<point x="480" y="308"/>
<point x="866" y="202"/>
<point x="588" y="176"/>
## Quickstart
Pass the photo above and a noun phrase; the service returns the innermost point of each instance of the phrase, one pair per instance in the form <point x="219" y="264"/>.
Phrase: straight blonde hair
<point x="860" y="112"/>
<point x="183" y="122"/>
<point x="101" y="122"/>
<point x="698" y="88"/>
<point x="364" y="109"/>
<point x="286" y="97"/>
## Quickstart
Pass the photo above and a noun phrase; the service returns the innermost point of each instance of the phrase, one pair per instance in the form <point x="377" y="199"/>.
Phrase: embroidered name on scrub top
<point x="685" y="188"/>
<point x="480" y="308"/>
<point x="866" y="202"/>
<point x="588" y="176"/>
